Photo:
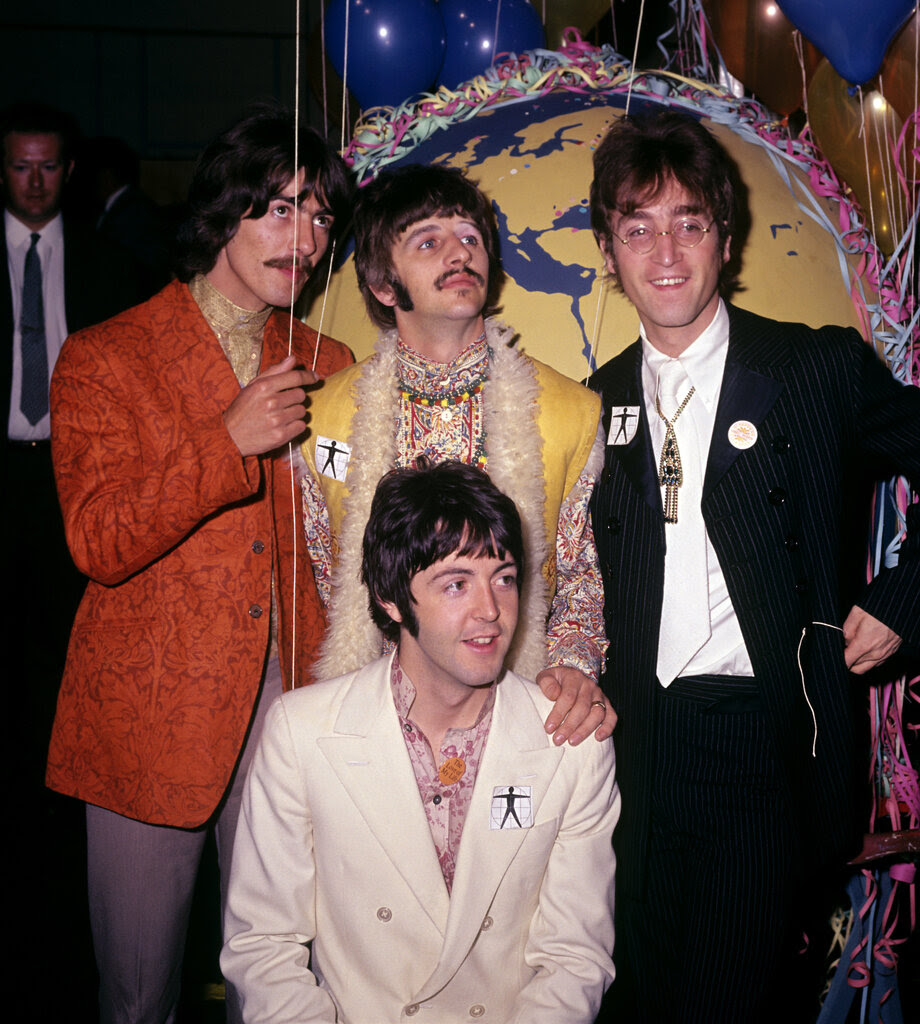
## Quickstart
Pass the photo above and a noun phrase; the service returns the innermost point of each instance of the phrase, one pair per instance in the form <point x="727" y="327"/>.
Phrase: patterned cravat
<point x="33" y="400"/>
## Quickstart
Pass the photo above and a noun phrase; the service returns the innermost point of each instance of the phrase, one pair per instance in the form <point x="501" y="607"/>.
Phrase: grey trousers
<point x="141" y="882"/>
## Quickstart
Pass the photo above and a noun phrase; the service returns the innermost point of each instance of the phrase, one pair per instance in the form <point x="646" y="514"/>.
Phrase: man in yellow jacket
<point x="446" y="382"/>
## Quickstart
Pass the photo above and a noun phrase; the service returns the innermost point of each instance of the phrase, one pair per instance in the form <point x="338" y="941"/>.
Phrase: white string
<point x="291" y="337"/>
<point x="344" y="76"/>
<point x="322" y="312"/>
<point x="865" y="143"/>
<point x="600" y="295"/>
<point x="798" y="658"/>
<point x="632" y="75"/>
<point x="592" y="364"/>
<point x="498" y="14"/>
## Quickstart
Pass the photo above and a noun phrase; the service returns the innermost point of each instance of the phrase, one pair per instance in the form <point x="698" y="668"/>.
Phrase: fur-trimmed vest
<point x="539" y="427"/>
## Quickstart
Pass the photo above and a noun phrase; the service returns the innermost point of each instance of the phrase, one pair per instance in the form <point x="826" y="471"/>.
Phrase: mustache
<point x="466" y="272"/>
<point x="301" y="264"/>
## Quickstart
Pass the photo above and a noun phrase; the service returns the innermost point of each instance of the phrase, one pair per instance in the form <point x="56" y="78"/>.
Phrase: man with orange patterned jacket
<point x="167" y="424"/>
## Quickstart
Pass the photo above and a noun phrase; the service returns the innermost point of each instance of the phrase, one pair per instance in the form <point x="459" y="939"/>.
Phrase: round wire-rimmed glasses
<point x="687" y="233"/>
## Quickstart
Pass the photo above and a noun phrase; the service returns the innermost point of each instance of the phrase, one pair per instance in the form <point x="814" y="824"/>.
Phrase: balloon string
<point x="634" y="56"/>
<point x="291" y="336"/>
<point x="498" y="14"/>
<point x="865" y="142"/>
<point x="345" y="76"/>
<point x="800" y="57"/>
<point x="322" y="55"/>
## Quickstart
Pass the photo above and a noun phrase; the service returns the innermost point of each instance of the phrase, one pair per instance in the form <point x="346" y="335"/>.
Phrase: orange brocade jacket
<point x="179" y="535"/>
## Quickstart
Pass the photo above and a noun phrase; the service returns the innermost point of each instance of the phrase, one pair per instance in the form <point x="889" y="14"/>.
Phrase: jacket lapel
<point x="746" y="395"/>
<point x="518" y="753"/>
<point x="368" y="754"/>
<point x="622" y="389"/>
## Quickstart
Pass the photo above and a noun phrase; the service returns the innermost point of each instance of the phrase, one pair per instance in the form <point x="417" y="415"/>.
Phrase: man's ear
<point x="727" y="249"/>
<point x="384" y="294"/>
<point x="389" y="607"/>
<point x="606" y="245"/>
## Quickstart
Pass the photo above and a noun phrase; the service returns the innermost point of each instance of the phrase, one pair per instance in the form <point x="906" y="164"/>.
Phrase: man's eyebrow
<point x="678" y="211"/>
<point x="301" y="198"/>
<point x="422" y="228"/>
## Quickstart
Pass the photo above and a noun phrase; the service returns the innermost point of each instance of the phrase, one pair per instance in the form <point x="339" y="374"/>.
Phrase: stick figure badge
<point x="332" y="457"/>
<point x="512" y="807"/>
<point x="624" y="419"/>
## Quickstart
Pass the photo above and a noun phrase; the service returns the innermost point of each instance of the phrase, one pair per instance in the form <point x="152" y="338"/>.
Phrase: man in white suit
<point x="412" y="841"/>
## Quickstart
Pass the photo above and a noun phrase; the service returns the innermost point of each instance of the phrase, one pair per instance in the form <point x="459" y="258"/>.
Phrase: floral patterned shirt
<point x="446" y="802"/>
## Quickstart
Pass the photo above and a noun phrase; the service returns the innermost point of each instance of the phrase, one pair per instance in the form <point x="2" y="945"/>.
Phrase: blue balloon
<point x="395" y="47"/>
<point x="472" y="39"/>
<point x="853" y="35"/>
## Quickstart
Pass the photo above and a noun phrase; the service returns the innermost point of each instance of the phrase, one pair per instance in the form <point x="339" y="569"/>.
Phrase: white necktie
<point x="685" y="625"/>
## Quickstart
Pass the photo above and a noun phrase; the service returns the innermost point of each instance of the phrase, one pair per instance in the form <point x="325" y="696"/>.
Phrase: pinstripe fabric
<point x="698" y="951"/>
<point x="785" y="518"/>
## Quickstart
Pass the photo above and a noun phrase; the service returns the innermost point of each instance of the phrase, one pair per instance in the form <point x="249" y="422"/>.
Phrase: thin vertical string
<point x="291" y="338"/>
<point x="865" y="144"/>
<point x="603" y="275"/>
<point x="345" y="77"/>
<point x="632" y="76"/>
<point x="498" y="14"/>
<point x="322" y="45"/>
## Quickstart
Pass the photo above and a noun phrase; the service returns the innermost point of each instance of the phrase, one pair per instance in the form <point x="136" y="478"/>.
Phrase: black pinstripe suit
<point x="784" y="519"/>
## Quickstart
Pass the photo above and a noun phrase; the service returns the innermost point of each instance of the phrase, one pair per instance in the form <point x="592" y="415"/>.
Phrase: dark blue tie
<point x="34" y="397"/>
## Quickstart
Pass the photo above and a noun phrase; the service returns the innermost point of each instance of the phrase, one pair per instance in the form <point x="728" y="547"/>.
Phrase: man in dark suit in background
<point x="59" y="278"/>
<point x="128" y="218"/>
<point x="733" y="603"/>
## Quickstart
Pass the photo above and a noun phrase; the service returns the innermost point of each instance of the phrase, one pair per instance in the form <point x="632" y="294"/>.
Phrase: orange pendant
<point x="451" y="771"/>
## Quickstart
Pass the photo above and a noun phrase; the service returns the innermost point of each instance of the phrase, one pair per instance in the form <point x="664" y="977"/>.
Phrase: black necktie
<point x="33" y="399"/>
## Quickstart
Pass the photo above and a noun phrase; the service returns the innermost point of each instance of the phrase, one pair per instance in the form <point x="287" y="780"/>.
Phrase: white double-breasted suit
<point x="334" y="848"/>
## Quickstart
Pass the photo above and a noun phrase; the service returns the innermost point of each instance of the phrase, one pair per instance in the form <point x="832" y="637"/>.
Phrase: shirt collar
<point x="404" y="691"/>
<point x="703" y="360"/>
<point x="18" y="234"/>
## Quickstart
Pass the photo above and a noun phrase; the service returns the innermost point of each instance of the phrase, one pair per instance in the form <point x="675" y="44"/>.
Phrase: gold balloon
<point x="898" y="78"/>
<point x="756" y="43"/>
<point x="836" y="118"/>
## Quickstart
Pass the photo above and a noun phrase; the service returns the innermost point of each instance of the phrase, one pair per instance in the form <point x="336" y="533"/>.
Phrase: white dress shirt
<point x="51" y="253"/>
<point x="704" y="363"/>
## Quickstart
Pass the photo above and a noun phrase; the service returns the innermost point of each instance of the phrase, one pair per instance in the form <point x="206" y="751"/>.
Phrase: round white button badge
<point x="742" y="435"/>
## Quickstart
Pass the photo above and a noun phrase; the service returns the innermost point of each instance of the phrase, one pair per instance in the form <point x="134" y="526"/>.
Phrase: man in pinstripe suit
<point x="737" y="452"/>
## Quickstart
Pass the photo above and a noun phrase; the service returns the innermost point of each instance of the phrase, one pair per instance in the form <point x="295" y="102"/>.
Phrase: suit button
<point x="792" y="543"/>
<point x="781" y="444"/>
<point x="477" y="1010"/>
<point x="487" y="924"/>
<point x="801" y="587"/>
<point x="384" y="914"/>
<point x="412" y="1009"/>
<point x="605" y="475"/>
<point x="613" y="525"/>
<point x="258" y="547"/>
<point x="777" y="496"/>
<point x="255" y="610"/>
<point x="436" y="799"/>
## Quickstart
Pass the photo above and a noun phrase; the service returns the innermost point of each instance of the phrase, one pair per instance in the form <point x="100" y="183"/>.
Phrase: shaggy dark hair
<point x="39" y="119"/>
<point x="396" y="199"/>
<point x="239" y="173"/>
<point x="423" y="514"/>
<point x="641" y="156"/>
